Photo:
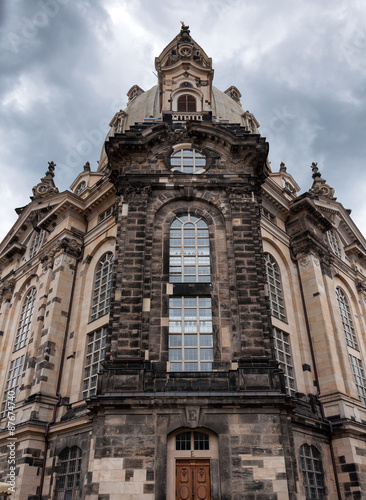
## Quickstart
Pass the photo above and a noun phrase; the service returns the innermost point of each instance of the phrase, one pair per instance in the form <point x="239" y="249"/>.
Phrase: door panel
<point x="193" y="480"/>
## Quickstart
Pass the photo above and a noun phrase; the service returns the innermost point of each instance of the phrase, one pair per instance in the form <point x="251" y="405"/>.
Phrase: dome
<point x="145" y="108"/>
<point x="184" y="92"/>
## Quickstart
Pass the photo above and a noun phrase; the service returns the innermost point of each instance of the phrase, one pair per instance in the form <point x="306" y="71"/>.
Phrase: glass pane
<point x="175" y="354"/>
<point x="175" y="340"/>
<point x="190" y="354"/>
<point x="206" y="340"/>
<point x="190" y="340"/>
<point x="191" y="367"/>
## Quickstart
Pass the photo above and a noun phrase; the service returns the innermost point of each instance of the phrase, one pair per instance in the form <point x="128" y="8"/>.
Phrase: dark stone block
<point x="133" y="463"/>
<point x="128" y="474"/>
<point x="149" y="488"/>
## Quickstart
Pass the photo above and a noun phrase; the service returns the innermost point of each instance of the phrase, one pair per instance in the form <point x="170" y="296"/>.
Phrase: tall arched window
<point x="190" y="316"/>
<point x="312" y="472"/>
<point x="334" y="243"/>
<point x="102" y="287"/>
<point x="274" y="288"/>
<point x="36" y="243"/>
<point x="346" y="317"/>
<point x="189" y="250"/>
<point x="68" y="485"/>
<point x="186" y="103"/>
<point x="25" y="320"/>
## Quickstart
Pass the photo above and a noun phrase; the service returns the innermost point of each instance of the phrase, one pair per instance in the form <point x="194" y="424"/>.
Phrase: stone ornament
<point x="47" y="186"/>
<point x="319" y="186"/>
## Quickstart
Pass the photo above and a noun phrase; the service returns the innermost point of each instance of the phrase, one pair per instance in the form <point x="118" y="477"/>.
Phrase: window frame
<point x="345" y="313"/>
<point x="315" y="457"/>
<point x="180" y="352"/>
<point x="25" y="321"/>
<point x="184" y="293"/>
<point x="97" y="355"/>
<point x="189" y="100"/>
<point x="286" y="363"/>
<point x="100" y="302"/>
<point x="12" y="383"/>
<point x="36" y="243"/>
<point x="80" y="187"/>
<point x="358" y="373"/>
<point x="334" y="243"/>
<point x="63" y="474"/>
<point x="275" y="289"/>
<point x="188" y="160"/>
<point x="195" y="437"/>
<point x="188" y="251"/>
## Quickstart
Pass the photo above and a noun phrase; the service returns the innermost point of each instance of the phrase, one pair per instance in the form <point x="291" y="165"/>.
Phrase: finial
<point x="314" y="168"/>
<point x="282" y="167"/>
<point x="51" y="169"/>
<point x="184" y="30"/>
<point x="51" y="166"/>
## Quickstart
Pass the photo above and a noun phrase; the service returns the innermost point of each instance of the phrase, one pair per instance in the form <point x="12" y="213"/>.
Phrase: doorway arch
<point x="192" y="468"/>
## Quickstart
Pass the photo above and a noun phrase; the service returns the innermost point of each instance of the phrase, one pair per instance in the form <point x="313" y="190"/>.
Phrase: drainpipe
<point x="58" y="394"/>
<point x="317" y="378"/>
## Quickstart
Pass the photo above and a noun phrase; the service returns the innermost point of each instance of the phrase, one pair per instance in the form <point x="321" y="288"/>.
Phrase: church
<point x="183" y="324"/>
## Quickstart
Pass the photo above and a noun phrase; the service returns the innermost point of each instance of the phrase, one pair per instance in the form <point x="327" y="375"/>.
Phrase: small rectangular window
<point x="106" y="214"/>
<point x="268" y="215"/>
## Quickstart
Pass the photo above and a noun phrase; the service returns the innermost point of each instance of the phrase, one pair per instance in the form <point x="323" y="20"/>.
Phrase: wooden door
<point x="193" y="480"/>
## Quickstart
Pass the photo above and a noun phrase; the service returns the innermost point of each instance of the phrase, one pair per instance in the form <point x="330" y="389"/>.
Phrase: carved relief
<point x="131" y="193"/>
<point x="238" y="193"/>
<point x="7" y="290"/>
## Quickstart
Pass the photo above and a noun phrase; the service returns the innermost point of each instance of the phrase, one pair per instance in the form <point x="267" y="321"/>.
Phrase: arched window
<point x="274" y="288"/>
<point x="36" y="243"/>
<point x="190" y="316"/>
<point x="312" y="472"/>
<point x="102" y="287"/>
<point x="25" y="320"/>
<point x="334" y="244"/>
<point x="68" y="485"/>
<point x="186" y="103"/>
<point x="189" y="258"/>
<point x="192" y="440"/>
<point x="81" y="187"/>
<point x="346" y="317"/>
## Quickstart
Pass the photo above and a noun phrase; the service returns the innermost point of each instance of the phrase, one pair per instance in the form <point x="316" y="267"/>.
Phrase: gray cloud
<point x="64" y="72"/>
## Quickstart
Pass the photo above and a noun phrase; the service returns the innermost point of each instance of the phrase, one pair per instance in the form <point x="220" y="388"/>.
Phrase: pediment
<point x="31" y="217"/>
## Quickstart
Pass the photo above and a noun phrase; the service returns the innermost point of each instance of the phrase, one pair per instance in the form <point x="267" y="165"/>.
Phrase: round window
<point x="188" y="161"/>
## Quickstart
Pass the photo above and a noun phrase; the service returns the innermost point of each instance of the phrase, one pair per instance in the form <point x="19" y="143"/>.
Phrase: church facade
<point x="183" y="324"/>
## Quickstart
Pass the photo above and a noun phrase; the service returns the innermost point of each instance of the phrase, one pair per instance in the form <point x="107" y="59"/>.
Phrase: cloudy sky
<point x="66" y="65"/>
